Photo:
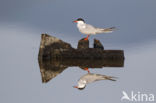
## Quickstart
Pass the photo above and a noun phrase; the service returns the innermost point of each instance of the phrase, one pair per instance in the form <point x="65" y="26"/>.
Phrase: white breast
<point x="86" y="29"/>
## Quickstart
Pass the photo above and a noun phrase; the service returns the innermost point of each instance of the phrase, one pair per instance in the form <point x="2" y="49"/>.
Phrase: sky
<point x="134" y="20"/>
<point x="22" y="22"/>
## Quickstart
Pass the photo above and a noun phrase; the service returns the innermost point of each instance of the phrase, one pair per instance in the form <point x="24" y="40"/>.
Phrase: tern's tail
<point x="110" y="78"/>
<point x="108" y="30"/>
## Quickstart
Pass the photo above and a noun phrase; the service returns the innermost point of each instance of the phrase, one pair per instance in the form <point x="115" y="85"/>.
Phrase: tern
<point x="91" y="77"/>
<point x="90" y="29"/>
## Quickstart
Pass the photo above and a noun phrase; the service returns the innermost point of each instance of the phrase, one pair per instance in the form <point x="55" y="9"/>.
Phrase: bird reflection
<point x="90" y="78"/>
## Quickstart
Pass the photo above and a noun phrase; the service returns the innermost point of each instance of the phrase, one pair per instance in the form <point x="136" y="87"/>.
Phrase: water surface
<point x="21" y="78"/>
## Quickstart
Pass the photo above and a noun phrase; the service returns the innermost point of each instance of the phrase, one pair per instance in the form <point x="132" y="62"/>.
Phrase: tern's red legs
<point x="87" y="37"/>
<point x="87" y="70"/>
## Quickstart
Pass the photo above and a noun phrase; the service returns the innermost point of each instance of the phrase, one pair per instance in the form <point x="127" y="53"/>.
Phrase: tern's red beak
<point x="75" y="87"/>
<point x="75" y="21"/>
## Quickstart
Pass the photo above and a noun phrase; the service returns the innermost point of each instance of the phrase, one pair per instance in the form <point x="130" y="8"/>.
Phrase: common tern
<point x="90" y="29"/>
<point x="91" y="77"/>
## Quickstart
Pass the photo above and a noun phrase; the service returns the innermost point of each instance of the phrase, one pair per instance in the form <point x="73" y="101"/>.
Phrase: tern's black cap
<point x="80" y="19"/>
<point x="81" y="88"/>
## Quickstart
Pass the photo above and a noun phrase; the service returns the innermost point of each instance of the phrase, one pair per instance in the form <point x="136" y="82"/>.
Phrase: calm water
<point x="21" y="78"/>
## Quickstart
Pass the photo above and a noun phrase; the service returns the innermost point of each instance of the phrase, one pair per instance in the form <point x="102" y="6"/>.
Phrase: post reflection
<point x="51" y="68"/>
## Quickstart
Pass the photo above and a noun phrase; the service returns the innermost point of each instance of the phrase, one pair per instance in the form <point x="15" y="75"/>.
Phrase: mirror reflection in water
<point x="90" y="78"/>
<point x="51" y="68"/>
<point x="56" y="55"/>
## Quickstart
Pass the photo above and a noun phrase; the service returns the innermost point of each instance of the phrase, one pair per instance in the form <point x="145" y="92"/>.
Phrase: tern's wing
<point x="89" y="78"/>
<point x="94" y="30"/>
<point x="87" y="29"/>
<point x="104" y="77"/>
<point x="89" y="26"/>
<point x="105" y="30"/>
